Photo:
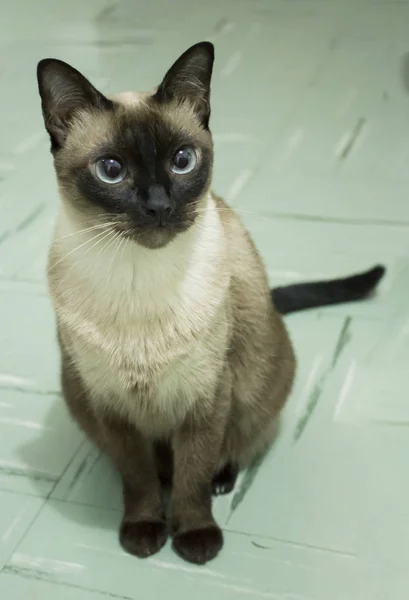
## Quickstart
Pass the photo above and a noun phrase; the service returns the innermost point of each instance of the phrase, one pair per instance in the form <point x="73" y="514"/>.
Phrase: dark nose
<point x="158" y="204"/>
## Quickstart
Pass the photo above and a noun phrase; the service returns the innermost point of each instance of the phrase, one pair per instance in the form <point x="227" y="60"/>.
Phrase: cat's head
<point x="142" y="162"/>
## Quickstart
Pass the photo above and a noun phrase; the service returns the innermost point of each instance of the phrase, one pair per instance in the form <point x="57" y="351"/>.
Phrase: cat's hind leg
<point x="225" y="479"/>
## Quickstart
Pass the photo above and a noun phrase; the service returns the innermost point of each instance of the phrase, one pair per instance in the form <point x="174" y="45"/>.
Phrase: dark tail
<point x="301" y="296"/>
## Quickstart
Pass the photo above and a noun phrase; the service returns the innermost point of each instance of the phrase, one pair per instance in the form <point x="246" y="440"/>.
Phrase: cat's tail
<point x="300" y="296"/>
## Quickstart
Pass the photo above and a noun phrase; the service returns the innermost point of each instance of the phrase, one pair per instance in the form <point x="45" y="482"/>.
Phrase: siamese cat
<point x="175" y="358"/>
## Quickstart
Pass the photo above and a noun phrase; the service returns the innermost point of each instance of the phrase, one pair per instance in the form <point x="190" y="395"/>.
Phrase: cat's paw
<point x="224" y="481"/>
<point x="143" y="538"/>
<point x="200" y="545"/>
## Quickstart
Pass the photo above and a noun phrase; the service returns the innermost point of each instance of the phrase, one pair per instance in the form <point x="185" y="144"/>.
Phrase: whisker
<point x="99" y="226"/>
<point x="119" y="240"/>
<point x="78" y="248"/>
<point x="238" y="211"/>
<point x="207" y="225"/>
<point x="107" y="235"/>
<point x="112" y="245"/>
<point x="234" y="210"/>
<point x="107" y="245"/>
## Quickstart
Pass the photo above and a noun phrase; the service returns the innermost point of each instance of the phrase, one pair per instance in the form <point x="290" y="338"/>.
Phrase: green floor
<point x="311" y="123"/>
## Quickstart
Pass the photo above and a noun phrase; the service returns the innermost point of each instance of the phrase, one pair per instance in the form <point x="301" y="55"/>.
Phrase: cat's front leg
<point x="143" y="530"/>
<point x="196" y="446"/>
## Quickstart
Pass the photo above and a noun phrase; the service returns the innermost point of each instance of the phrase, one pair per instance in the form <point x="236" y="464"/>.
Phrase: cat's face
<point x="138" y="161"/>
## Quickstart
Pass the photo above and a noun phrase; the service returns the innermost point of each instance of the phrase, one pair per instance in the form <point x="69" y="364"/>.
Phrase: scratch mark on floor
<point x="118" y="553"/>
<point x="26" y="424"/>
<point x="245" y="485"/>
<point x="231" y="64"/>
<point x="203" y="571"/>
<point x="25" y="386"/>
<point x="45" y="565"/>
<point x="78" y="473"/>
<point x="12" y="527"/>
<point x="29" y="143"/>
<point x="4" y="236"/>
<point x="293" y="142"/>
<point x="31" y="390"/>
<point x="134" y="41"/>
<point x="10" y="471"/>
<point x="107" y="12"/>
<point x="260" y="546"/>
<point x="97" y="459"/>
<point x="389" y="423"/>
<point x="309" y="411"/>
<point x="7" y="379"/>
<point x="351" y="139"/>
<point x="343" y="394"/>
<point x="238" y="589"/>
<point x="239" y="183"/>
<point x="343" y="340"/>
<point x="223" y="26"/>
<point x="31" y="217"/>
<point x="39" y="575"/>
<point x="328" y="219"/>
<point x="325" y="549"/>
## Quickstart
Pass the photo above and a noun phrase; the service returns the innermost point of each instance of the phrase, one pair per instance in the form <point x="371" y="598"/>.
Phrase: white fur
<point x="131" y="316"/>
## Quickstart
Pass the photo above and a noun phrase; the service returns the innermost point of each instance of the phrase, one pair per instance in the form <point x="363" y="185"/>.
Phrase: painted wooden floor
<point x="311" y="123"/>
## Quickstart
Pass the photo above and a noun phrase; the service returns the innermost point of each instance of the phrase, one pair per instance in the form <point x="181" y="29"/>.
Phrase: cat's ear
<point x="64" y="91"/>
<point x="189" y="78"/>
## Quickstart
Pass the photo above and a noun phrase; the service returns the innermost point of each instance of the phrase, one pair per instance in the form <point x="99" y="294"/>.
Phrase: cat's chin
<point x="154" y="239"/>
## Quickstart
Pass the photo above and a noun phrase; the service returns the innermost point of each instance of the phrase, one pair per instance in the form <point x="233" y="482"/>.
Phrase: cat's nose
<point x="158" y="207"/>
<point x="158" y="204"/>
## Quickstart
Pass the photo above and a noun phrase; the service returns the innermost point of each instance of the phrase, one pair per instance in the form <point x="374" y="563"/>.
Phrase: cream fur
<point x="131" y="316"/>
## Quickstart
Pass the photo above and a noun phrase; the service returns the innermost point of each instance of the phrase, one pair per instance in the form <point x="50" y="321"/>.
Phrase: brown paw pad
<point x="200" y="545"/>
<point x="144" y="538"/>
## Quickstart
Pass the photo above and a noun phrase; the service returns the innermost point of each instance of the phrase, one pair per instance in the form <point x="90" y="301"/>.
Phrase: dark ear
<point x="189" y="78"/>
<point x="63" y="91"/>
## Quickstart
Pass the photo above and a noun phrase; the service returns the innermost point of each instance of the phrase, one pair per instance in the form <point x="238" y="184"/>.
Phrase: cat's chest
<point x="145" y="329"/>
<point x="150" y="367"/>
<point x="119" y="358"/>
<point x="148" y="376"/>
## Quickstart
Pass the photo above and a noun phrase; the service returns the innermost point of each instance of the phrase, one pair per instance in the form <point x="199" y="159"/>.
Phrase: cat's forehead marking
<point x="131" y="99"/>
<point x="139" y="118"/>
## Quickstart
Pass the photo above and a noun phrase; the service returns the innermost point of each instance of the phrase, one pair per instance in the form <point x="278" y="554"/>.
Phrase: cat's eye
<point x="110" y="170"/>
<point x="184" y="161"/>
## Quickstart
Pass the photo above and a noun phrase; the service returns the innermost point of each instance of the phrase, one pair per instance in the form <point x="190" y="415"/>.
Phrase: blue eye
<point x="110" y="170"/>
<point x="184" y="161"/>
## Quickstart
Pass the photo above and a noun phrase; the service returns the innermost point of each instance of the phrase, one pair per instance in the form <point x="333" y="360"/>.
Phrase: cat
<point x="175" y="361"/>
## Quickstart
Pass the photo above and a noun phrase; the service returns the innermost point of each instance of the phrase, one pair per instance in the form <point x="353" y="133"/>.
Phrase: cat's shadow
<point x="88" y="489"/>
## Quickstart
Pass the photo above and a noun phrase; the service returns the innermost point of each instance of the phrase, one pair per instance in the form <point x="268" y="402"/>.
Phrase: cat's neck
<point x="147" y="281"/>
